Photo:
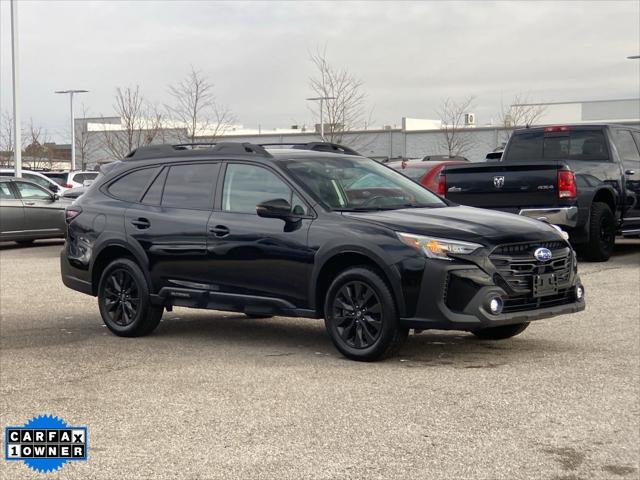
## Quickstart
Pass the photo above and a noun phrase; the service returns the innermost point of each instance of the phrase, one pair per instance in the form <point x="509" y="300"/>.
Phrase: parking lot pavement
<point x="213" y="395"/>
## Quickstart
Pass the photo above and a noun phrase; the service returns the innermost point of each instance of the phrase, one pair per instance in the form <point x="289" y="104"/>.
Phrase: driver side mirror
<point x="55" y="197"/>
<point x="276" y="208"/>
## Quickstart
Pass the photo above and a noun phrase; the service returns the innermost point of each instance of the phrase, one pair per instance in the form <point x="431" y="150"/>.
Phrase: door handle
<point x="629" y="172"/>
<point x="141" y="223"/>
<point x="30" y="204"/>
<point x="220" y="231"/>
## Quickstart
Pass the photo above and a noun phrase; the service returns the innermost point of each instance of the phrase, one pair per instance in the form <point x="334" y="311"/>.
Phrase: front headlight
<point x="440" y="248"/>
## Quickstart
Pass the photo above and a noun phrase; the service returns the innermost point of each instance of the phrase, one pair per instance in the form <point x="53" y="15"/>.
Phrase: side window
<point x="154" y="193"/>
<point x="132" y="186"/>
<point x="5" y="191"/>
<point x="626" y="146"/>
<point x="36" y="179"/>
<point x="190" y="186"/>
<point x="245" y="186"/>
<point x="29" y="191"/>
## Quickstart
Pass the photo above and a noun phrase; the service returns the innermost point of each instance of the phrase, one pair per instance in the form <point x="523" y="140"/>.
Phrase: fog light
<point x="579" y="292"/>
<point x="495" y="305"/>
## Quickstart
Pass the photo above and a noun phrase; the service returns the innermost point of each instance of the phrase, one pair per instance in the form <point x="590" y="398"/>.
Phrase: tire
<point x="602" y="234"/>
<point x="375" y="331"/>
<point x="25" y="242"/>
<point x="501" y="333"/>
<point x="124" y="301"/>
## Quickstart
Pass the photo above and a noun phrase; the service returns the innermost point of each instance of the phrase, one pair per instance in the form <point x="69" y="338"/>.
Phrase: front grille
<point x="523" y="303"/>
<point x="517" y="267"/>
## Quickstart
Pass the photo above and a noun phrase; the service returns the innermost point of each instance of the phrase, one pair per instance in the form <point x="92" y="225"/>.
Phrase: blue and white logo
<point x="45" y="443"/>
<point x="543" y="254"/>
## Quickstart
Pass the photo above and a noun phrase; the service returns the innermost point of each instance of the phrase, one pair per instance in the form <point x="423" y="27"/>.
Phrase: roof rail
<point x="316" y="146"/>
<point x="189" y="149"/>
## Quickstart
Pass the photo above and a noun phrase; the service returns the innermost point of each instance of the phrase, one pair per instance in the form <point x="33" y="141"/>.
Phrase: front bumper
<point x="564" y="216"/>
<point x="470" y="295"/>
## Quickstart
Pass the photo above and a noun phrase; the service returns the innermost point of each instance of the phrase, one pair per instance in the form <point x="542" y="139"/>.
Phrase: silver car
<point x="29" y="212"/>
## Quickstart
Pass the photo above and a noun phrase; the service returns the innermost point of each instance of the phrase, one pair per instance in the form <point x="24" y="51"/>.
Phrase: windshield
<point x="357" y="183"/>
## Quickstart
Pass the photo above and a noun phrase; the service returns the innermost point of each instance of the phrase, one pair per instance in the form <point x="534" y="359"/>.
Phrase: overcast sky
<point x="409" y="55"/>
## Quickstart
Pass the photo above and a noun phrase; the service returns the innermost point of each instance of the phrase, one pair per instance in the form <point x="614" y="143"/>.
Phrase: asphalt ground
<point x="213" y="395"/>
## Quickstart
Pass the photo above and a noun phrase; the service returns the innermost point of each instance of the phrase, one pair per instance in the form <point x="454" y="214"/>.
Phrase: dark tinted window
<point x="574" y="145"/>
<point x="190" y="186"/>
<point x="5" y="191"/>
<point x="131" y="186"/>
<point x="154" y="194"/>
<point x="245" y="186"/>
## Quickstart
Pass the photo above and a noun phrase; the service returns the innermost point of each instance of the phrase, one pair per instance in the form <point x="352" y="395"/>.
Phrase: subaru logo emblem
<point x="498" y="182"/>
<point x="543" y="254"/>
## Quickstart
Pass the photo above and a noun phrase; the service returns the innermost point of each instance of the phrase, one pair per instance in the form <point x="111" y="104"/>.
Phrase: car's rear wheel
<point x="602" y="234"/>
<point x="361" y="316"/>
<point x="124" y="301"/>
<point x="501" y="333"/>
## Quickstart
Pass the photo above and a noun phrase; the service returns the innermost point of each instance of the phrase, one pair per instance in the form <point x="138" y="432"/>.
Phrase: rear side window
<point x="131" y="187"/>
<point x="5" y="191"/>
<point x="190" y="186"/>
<point x="154" y="193"/>
<point x="576" y="145"/>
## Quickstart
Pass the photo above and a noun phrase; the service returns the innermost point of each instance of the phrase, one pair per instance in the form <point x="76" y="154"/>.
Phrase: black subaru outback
<point x="296" y="232"/>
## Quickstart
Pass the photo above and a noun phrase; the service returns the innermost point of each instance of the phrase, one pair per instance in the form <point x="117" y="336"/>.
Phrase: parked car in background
<point x="73" y="179"/>
<point x="29" y="212"/>
<point x="584" y="178"/>
<point x="442" y="158"/>
<point x="308" y="234"/>
<point x="35" y="177"/>
<point x="426" y="173"/>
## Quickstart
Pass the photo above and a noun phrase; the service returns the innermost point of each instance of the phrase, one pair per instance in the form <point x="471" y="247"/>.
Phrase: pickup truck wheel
<point x="602" y="234"/>
<point x="500" y="333"/>
<point x="361" y="316"/>
<point x="124" y="301"/>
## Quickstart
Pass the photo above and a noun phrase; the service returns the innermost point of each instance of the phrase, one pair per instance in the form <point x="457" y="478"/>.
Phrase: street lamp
<point x="73" y="128"/>
<point x="322" y="99"/>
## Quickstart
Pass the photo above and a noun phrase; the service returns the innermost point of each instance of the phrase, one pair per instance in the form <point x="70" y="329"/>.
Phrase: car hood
<point x="486" y="227"/>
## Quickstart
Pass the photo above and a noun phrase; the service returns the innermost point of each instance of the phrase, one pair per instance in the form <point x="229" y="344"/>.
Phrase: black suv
<point x="303" y="233"/>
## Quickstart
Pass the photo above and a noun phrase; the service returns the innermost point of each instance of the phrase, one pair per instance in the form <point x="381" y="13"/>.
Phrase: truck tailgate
<point x="499" y="185"/>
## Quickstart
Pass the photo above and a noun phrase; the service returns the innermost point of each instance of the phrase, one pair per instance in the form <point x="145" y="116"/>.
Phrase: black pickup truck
<point x="583" y="178"/>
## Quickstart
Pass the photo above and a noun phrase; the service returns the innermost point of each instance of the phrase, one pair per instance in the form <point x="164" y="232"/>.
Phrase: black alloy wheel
<point x="121" y="297"/>
<point x="357" y="313"/>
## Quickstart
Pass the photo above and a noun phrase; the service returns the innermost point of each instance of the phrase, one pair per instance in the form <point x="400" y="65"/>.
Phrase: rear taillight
<point x="557" y="128"/>
<point x="71" y="212"/>
<point x="442" y="185"/>
<point x="67" y="185"/>
<point x="566" y="184"/>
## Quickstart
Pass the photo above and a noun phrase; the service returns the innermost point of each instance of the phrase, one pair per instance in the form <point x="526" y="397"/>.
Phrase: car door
<point x="11" y="212"/>
<point x="256" y="256"/>
<point x="170" y="224"/>
<point x="630" y="157"/>
<point x="43" y="213"/>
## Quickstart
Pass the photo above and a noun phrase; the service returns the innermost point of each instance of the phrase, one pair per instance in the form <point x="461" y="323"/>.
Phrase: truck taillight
<point x="557" y="128"/>
<point x="67" y="185"/>
<point x="566" y="184"/>
<point x="71" y="212"/>
<point x="442" y="185"/>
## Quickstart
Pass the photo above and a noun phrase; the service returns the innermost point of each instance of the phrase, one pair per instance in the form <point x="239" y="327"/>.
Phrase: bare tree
<point x="139" y="124"/>
<point x="456" y="140"/>
<point x="37" y="153"/>
<point x="520" y="113"/>
<point x="6" y="138"/>
<point x="344" y="107"/>
<point x="195" y="108"/>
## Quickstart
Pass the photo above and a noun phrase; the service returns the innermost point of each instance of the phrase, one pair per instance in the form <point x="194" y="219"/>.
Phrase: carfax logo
<point x="45" y="443"/>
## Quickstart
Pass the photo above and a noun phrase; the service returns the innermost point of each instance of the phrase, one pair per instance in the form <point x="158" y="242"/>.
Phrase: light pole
<point x="17" y="133"/>
<point x="73" y="127"/>
<point x="322" y="99"/>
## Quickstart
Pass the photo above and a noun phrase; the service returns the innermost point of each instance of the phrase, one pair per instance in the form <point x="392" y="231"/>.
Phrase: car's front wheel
<point x="501" y="333"/>
<point x="124" y="301"/>
<point x="361" y="316"/>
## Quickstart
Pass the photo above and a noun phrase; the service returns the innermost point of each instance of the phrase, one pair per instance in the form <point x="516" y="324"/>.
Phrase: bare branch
<point x="452" y="115"/>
